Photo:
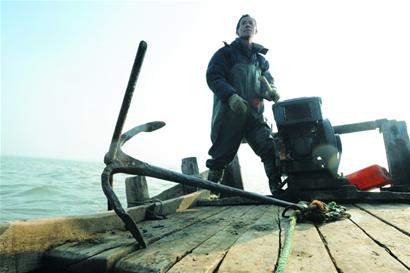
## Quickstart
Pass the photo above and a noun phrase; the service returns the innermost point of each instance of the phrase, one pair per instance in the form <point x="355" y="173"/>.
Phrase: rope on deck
<point x="318" y="213"/>
<point x="287" y="247"/>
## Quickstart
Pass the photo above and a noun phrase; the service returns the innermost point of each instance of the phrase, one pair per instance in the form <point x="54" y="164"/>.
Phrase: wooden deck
<point x="247" y="239"/>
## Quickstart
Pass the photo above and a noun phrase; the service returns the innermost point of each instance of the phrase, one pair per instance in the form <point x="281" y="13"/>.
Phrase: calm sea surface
<point x="42" y="188"/>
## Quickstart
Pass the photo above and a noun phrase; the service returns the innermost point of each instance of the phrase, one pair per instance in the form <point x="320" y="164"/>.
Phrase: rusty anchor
<point x="118" y="162"/>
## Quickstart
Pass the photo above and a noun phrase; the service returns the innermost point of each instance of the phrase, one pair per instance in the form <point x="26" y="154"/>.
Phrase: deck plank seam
<point x="386" y="248"/>
<point x="223" y="257"/>
<point x="193" y="249"/>
<point x="90" y="257"/>
<point x="74" y="263"/>
<point x="232" y="222"/>
<point x="383" y="220"/>
<point x="125" y="245"/>
<point x="153" y="240"/>
<point x="275" y="219"/>
<point x="250" y="225"/>
<point x="322" y="237"/>
<point x="201" y="243"/>
<point x="279" y="223"/>
<point x="179" y="258"/>
<point x="226" y="252"/>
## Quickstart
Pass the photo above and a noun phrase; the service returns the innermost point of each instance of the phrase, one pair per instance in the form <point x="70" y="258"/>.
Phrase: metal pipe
<point x="359" y="127"/>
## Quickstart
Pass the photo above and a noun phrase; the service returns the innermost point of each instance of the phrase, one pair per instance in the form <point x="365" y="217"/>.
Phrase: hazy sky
<point x="65" y="67"/>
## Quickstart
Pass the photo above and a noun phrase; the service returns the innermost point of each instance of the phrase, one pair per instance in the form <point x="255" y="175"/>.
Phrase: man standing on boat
<point x="239" y="77"/>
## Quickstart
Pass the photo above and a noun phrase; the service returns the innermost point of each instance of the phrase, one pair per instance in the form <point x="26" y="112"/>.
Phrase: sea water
<point x="42" y="188"/>
<point x="32" y="188"/>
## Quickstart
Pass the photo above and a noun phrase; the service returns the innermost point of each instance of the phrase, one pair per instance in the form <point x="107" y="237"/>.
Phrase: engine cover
<point x="307" y="145"/>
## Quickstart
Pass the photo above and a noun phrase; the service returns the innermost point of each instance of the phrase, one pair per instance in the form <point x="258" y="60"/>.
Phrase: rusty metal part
<point x="359" y="127"/>
<point x="119" y="162"/>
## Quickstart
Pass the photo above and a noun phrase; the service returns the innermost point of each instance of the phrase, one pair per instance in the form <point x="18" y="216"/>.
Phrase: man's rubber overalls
<point x="229" y="128"/>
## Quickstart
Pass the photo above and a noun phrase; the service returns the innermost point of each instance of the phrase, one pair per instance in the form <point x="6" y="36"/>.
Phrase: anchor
<point x="118" y="162"/>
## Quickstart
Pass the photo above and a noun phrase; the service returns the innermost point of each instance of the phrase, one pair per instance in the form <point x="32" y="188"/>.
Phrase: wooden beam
<point x="397" y="145"/>
<point x="189" y="166"/>
<point x="136" y="190"/>
<point x="232" y="176"/>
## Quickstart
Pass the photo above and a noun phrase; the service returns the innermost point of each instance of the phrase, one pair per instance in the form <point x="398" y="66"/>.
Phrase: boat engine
<point x="307" y="149"/>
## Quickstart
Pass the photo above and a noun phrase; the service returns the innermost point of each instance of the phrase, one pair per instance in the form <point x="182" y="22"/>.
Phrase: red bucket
<point x="371" y="177"/>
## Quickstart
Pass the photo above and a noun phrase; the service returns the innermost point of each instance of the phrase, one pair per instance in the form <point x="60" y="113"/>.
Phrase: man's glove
<point x="272" y="95"/>
<point x="237" y="104"/>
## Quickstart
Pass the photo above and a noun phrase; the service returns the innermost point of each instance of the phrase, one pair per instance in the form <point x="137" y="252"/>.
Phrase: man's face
<point x="247" y="27"/>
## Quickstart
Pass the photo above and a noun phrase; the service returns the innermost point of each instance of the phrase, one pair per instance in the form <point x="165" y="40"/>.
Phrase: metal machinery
<point x="309" y="151"/>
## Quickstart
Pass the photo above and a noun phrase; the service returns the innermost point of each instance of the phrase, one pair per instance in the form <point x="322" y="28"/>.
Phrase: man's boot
<point x="215" y="175"/>
<point x="273" y="175"/>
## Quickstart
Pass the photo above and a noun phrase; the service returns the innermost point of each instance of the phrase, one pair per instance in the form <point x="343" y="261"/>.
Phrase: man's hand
<point x="272" y="95"/>
<point x="237" y="104"/>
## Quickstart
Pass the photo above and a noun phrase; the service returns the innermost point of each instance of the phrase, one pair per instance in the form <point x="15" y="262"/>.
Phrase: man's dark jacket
<point x="236" y="68"/>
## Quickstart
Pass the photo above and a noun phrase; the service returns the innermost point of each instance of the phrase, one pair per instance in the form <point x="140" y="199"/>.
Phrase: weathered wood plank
<point x="308" y="252"/>
<point x="232" y="176"/>
<point x="397" y="215"/>
<point x="189" y="166"/>
<point x="257" y="249"/>
<point x="136" y="190"/>
<point x="394" y="241"/>
<point x="70" y="253"/>
<point x="22" y="243"/>
<point x="100" y="253"/>
<point x="206" y="257"/>
<point x="164" y="253"/>
<point x="353" y="251"/>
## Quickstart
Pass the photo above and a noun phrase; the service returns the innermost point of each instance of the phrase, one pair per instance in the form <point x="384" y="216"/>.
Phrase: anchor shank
<point x="127" y="99"/>
<point x="160" y="173"/>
